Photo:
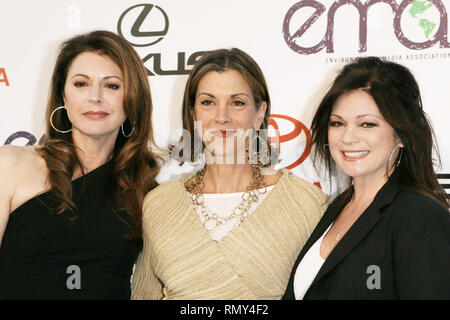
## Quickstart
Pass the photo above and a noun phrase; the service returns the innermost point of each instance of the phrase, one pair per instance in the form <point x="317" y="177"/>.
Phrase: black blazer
<point x="403" y="234"/>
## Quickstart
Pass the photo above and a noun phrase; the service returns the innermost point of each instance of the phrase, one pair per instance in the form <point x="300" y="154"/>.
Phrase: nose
<point x="222" y="114"/>
<point x="96" y="93"/>
<point x="350" y="135"/>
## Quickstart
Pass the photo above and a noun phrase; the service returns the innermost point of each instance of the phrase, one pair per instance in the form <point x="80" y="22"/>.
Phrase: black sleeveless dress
<point x="49" y="256"/>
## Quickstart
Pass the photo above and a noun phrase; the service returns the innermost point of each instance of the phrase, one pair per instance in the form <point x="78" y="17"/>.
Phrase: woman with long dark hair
<point x="387" y="236"/>
<point x="70" y="207"/>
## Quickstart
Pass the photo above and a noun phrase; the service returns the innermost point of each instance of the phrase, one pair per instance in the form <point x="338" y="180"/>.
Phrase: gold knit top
<point x="254" y="261"/>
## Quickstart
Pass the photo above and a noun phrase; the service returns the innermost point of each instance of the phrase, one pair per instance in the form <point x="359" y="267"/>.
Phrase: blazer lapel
<point x="318" y="231"/>
<point x="350" y="240"/>
<point x="329" y="216"/>
<point x="360" y="228"/>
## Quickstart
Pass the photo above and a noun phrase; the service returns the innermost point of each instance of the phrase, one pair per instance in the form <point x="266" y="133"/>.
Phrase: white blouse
<point x="223" y="205"/>
<point x="308" y="268"/>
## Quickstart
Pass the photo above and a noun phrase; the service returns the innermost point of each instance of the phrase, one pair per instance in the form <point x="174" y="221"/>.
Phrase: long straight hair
<point x="397" y="95"/>
<point x="135" y="165"/>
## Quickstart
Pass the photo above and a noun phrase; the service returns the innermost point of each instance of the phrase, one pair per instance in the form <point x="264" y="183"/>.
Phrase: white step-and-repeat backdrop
<point x="300" y="46"/>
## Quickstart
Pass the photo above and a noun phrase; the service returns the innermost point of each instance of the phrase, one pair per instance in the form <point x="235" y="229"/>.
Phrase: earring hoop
<point x="399" y="157"/>
<point x="51" y="121"/>
<point x="126" y="135"/>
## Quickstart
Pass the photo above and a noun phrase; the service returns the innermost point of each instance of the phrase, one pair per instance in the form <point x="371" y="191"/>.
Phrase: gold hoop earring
<point x="51" y="121"/>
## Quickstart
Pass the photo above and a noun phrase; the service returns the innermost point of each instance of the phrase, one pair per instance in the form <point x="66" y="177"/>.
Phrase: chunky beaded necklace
<point x="211" y="220"/>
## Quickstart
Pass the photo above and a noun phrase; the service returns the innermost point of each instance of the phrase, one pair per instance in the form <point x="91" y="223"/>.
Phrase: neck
<point x="92" y="152"/>
<point x="366" y="189"/>
<point x="227" y="178"/>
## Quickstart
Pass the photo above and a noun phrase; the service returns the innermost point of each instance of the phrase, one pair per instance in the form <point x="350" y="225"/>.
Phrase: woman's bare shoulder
<point x="19" y="161"/>
<point x="23" y="172"/>
<point x="10" y="156"/>
<point x="14" y="156"/>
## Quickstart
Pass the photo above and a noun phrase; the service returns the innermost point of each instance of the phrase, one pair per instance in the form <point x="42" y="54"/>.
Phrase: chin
<point x="98" y="132"/>
<point x="222" y="156"/>
<point x="371" y="175"/>
<point x="352" y="172"/>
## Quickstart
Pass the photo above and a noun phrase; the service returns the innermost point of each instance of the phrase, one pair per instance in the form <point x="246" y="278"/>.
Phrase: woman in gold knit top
<point x="233" y="229"/>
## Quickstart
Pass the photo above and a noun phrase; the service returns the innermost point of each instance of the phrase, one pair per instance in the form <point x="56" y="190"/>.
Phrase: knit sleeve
<point x="145" y="285"/>
<point x="318" y="200"/>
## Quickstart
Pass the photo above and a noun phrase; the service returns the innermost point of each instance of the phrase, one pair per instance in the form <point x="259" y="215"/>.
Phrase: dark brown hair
<point x="222" y="60"/>
<point x="396" y="93"/>
<point x="135" y="165"/>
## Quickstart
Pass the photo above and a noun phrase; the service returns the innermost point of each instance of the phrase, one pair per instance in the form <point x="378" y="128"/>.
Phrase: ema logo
<point x="30" y="139"/>
<point x="131" y="23"/>
<point x="134" y="25"/>
<point x="417" y="24"/>
<point x="4" y="77"/>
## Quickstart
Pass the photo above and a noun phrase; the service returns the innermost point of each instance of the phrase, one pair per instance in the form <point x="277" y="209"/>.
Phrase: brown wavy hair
<point x="135" y="166"/>
<point x="221" y="60"/>
<point x="397" y="95"/>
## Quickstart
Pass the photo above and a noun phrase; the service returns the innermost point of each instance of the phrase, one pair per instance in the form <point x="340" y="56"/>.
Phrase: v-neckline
<point x="236" y="232"/>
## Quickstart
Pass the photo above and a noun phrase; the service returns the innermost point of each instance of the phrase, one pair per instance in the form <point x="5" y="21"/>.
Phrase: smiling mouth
<point x="223" y="133"/>
<point x="95" y="115"/>
<point x="354" y="155"/>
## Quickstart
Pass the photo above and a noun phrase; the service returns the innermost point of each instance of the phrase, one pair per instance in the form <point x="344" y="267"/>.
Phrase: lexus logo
<point x="135" y="22"/>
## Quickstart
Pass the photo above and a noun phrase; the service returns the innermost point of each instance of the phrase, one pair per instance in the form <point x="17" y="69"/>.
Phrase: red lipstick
<point x="223" y="133"/>
<point x="95" y="114"/>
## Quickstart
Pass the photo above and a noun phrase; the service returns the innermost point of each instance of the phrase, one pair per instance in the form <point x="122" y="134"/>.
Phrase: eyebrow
<point x="358" y="116"/>
<point x="86" y="76"/>
<point x="232" y="96"/>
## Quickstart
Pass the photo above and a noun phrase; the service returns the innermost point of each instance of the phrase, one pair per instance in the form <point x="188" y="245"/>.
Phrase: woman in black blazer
<point x="388" y="235"/>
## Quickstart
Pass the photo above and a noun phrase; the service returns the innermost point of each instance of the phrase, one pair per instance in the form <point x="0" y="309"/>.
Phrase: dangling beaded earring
<point x="257" y="158"/>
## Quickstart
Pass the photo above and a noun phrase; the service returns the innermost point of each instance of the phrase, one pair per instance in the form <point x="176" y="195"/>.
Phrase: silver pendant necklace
<point x="352" y="211"/>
